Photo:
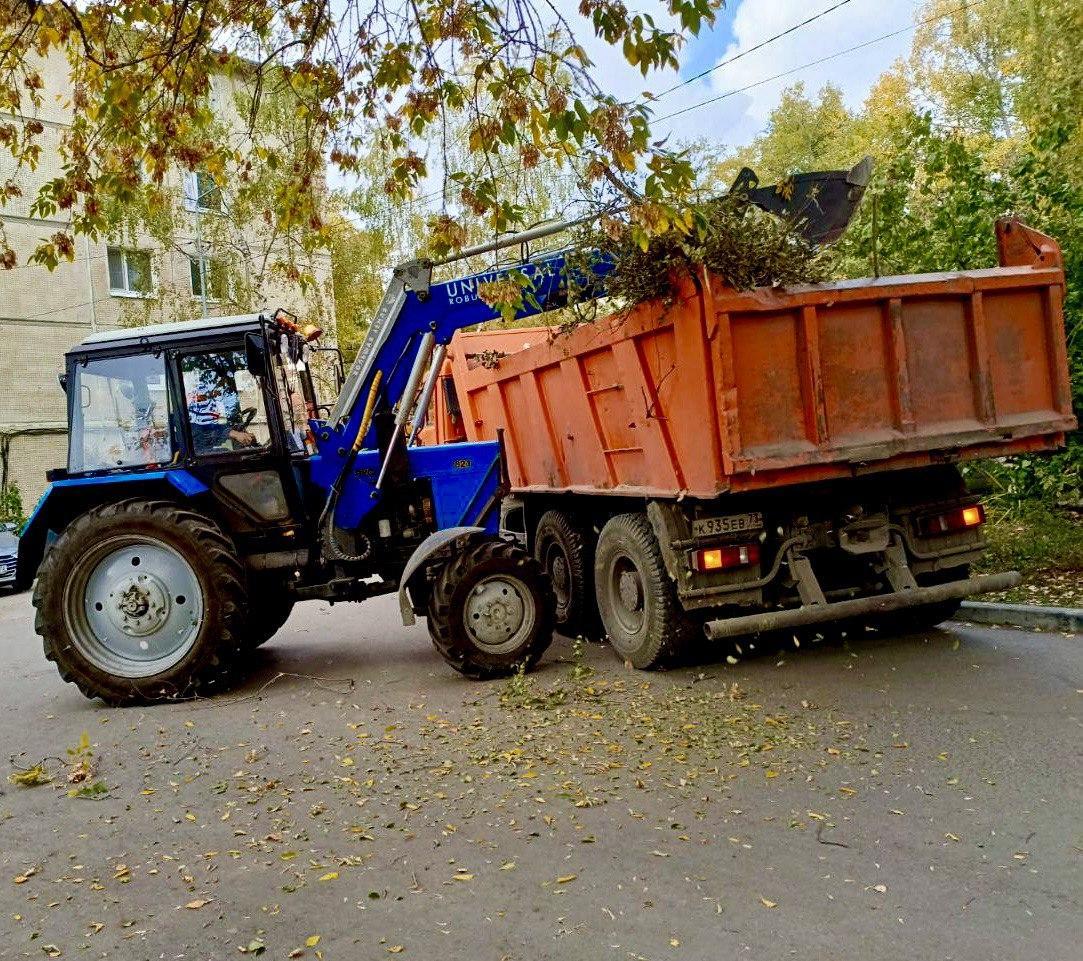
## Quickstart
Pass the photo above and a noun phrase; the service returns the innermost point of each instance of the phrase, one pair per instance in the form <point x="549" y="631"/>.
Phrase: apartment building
<point x="211" y="262"/>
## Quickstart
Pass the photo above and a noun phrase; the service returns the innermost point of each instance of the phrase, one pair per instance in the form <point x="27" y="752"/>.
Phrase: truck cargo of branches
<point x="732" y="463"/>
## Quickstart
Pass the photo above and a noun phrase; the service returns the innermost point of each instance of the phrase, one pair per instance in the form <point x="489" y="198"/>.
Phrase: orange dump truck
<point x="738" y="462"/>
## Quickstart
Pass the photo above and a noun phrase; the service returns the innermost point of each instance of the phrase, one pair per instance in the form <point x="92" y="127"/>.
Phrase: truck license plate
<point x="730" y="524"/>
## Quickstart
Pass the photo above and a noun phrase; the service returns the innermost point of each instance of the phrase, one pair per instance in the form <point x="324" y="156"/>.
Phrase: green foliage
<point x="144" y="76"/>
<point x="737" y="242"/>
<point x="11" y="506"/>
<point x="1033" y="539"/>
<point x="1013" y="483"/>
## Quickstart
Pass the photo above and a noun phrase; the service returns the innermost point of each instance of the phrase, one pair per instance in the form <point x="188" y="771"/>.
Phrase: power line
<point x="816" y="63"/>
<point x="745" y="53"/>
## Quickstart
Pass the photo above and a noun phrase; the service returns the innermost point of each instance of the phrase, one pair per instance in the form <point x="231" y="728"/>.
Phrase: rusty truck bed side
<point x="724" y="390"/>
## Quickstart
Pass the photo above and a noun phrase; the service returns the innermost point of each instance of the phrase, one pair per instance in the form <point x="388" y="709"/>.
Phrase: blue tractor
<point x="207" y="490"/>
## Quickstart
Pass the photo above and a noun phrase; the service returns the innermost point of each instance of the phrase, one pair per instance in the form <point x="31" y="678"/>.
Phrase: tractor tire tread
<point x="458" y="652"/>
<point x="216" y="658"/>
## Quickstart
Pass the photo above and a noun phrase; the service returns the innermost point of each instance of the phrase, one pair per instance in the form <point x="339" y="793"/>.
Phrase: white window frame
<point x="192" y="195"/>
<point x="127" y="290"/>
<point x="193" y="261"/>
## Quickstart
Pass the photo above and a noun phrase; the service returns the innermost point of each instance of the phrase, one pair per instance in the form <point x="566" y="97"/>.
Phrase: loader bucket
<point x="820" y="205"/>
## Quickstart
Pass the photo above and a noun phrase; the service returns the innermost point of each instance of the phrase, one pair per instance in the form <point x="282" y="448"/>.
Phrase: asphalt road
<point x="914" y="797"/>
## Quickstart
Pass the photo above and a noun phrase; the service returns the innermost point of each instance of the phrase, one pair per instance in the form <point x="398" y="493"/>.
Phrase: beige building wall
<point x="44" y="313"/>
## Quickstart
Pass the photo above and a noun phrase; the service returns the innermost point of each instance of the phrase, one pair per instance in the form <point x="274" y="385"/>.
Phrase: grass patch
<point x="1045" y="546"/>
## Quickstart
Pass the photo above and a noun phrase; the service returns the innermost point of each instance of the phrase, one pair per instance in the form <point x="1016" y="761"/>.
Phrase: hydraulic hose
<point x="327" y="514"/>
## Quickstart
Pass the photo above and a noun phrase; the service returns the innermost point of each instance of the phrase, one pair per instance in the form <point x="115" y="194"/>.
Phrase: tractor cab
<point x="195" y="393"/>
<point x="220" y="407"/>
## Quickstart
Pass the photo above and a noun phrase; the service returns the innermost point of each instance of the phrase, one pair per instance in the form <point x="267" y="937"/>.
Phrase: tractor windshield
<point x="119" y="414"/>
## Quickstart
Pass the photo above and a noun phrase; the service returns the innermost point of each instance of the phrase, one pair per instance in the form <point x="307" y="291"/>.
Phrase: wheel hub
<point x="631" y="591"/>
<point x="496" y="613"/>
<point x="134" y="606"/>
<point x="140" y="605"/>
<point x="558" y="571"/>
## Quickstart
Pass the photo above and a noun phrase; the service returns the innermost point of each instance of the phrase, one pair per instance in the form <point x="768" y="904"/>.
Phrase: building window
<point x="130" y="272"/>
<point x="215" y="273"/>
<point x="201" y="192"/>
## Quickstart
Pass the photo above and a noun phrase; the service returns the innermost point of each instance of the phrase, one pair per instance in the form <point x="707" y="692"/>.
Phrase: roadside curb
<point x="1028" y="616"/>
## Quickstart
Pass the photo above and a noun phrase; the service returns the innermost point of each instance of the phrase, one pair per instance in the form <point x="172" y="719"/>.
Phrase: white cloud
<point x="737" y="118"/>
<point x="853" y="73"/>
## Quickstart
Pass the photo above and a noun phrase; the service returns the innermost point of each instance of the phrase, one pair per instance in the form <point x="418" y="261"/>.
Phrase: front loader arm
<point x="413" y="306"/>
<point x="414" y="317"/>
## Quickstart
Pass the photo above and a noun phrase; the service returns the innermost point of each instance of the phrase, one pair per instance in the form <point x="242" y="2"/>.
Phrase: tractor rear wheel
<point x="640" y="611"/>
<point x="142" y="601"/>
<point x="561" y="549"/>
<point x="491" y="610"/>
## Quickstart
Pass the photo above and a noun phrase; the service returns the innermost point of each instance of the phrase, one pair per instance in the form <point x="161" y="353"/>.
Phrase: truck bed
<point x="730" y="391"/>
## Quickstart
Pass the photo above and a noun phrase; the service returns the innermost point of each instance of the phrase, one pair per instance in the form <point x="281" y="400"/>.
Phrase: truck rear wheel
<point x="561" y="550"/>
<point x="141" y="601"/>
<point x="640" y="611"/>
<point x="491" y="610"/>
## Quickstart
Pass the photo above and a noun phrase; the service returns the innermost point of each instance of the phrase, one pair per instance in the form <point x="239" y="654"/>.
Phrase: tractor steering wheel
<point x="247" y="415"/>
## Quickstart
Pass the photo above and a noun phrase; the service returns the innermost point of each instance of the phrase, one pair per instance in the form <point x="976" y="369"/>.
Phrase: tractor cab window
<point x="120" y="414"/>
<point x="224" y="403"/>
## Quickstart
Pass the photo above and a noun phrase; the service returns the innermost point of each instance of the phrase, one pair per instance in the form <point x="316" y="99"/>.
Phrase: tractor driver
<point x="214" y="411"/>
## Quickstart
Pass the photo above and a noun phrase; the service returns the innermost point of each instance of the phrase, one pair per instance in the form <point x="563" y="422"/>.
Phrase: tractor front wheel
<point x="491" y="610"/>
<point x="142" y="601"/>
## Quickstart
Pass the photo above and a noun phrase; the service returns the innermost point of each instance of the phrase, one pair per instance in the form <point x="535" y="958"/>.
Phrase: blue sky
<point x="743" y="24"/>
<point x="706" y="50"/>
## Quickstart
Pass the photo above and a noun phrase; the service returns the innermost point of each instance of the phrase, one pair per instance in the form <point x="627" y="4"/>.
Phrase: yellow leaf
<point x="330" y="876"/>
<point x="31" y="777"/>
<point x="768" y="904"/>
<point x="395" y="949"/>
<point x="771" y="773"/>
<point x="675" y="942"/>
<point x="197" y="904"/>
<point x="464" y="876"/>
<point x="312" y="940"/>
<point x="566" y="878"/>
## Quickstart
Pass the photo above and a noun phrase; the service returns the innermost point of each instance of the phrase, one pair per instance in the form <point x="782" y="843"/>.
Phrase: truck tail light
<point x="724" y="558"/>
<point x="959" y="519"/>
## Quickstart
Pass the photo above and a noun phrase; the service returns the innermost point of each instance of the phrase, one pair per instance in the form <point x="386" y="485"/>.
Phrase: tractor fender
<point x="67" y="498"/>
<point x="426" y="550"/>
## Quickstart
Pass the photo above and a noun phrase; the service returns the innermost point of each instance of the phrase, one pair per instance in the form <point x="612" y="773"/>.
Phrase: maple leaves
<point x="144" y="74"/>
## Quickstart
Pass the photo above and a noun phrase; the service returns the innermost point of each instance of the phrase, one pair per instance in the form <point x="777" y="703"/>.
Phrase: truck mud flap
<point x="859" y="607"/>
